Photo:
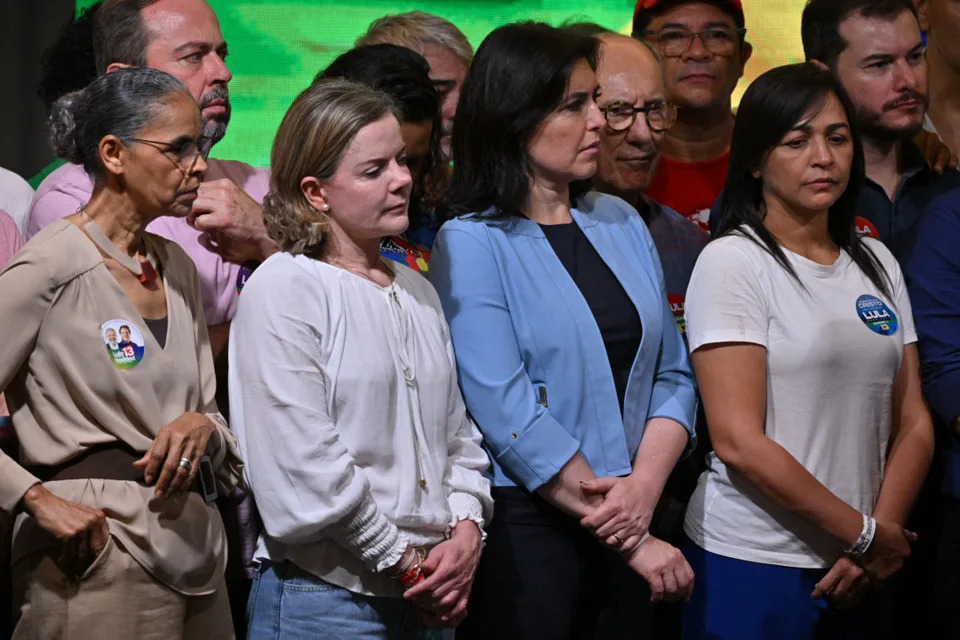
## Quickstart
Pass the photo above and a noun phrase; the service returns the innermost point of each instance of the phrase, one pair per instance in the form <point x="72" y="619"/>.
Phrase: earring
<point x="325" y="209"/>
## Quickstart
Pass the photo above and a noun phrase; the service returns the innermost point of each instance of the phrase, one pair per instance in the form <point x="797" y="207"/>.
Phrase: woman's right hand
<point x="82" y="530"/>
<point x="663" y="566"/>
<point x="888" y="551"/>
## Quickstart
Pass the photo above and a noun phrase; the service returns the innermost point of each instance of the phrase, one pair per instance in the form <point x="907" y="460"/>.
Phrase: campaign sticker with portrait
<point x="124" y="343"/>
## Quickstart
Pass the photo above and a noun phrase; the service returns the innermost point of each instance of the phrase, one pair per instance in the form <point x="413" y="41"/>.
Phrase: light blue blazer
<point x="532" y="363"/>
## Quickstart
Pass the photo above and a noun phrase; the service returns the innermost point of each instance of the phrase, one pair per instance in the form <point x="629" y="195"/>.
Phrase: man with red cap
<point x="704" y="53"/>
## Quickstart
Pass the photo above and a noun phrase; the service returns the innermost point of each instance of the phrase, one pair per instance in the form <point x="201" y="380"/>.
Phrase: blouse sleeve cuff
<point x="216" y="448"/>
<point x="16" y="482"/>
<point x="372" y="537"/>
<point x="464" y="506"/>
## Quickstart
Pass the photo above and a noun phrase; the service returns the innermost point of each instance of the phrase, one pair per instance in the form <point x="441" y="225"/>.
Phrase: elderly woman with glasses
<point x="109" y="377"/>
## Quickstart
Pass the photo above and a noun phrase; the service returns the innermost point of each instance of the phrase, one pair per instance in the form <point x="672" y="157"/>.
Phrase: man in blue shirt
<point x="876" y="51"/>
<point x="933" y="280"/>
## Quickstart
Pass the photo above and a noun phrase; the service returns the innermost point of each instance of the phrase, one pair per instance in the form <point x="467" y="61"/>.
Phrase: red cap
<point x="735" y="6"/>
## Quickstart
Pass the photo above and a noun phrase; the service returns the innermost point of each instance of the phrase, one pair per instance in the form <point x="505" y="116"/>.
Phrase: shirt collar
<point x="524" y="226"/>
<point x="914" y="164"/>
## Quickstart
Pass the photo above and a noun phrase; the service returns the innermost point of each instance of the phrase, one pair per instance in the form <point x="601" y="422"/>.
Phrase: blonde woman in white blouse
<point x="364" y="465"/>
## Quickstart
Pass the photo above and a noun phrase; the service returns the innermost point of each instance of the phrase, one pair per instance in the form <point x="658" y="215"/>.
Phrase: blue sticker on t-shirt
<point x="878" y="317"/>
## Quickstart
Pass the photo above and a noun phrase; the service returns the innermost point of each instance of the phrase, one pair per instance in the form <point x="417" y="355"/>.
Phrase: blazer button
<point x="513" y="435"/>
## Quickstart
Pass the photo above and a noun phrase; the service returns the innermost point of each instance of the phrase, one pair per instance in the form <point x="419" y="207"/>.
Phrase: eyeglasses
<point x="675" y="42"/>
<point x="620" y="116"/>
<point x="187" y="152"/>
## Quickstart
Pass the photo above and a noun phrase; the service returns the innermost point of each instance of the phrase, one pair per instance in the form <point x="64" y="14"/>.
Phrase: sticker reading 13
<point x="124" y="343"/>
<point x="878" y="317"/>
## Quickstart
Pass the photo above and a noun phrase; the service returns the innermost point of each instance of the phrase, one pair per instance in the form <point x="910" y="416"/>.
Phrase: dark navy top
<point x="616" y="317"/>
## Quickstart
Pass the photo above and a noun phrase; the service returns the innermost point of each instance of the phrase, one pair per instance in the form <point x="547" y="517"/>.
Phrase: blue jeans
<point x="287" y="603"/>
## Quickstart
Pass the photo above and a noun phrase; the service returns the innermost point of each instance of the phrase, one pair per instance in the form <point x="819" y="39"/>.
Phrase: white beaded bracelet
<point x="866" y="537"/>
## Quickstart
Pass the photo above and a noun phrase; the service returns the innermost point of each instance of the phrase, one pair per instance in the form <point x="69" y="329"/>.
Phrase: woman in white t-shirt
<point x="804" y="348"/>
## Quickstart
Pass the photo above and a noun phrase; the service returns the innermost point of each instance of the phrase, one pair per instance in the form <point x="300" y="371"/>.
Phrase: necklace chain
<point x="339" y="263"/>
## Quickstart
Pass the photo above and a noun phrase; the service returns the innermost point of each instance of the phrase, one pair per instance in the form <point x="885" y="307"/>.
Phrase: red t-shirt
<point x="690" y="188"/>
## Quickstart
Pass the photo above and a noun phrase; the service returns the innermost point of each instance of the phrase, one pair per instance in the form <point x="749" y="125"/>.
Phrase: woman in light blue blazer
<point x="568" y="354"/>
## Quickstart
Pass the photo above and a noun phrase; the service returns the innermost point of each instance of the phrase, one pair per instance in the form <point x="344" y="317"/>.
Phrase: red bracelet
<point x="412" y="577"/>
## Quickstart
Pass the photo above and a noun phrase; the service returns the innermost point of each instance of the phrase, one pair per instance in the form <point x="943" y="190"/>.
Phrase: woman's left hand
<point x="844" y="585"/>
<point x="623" y="517"/>
<point x="449" y="571"/>
<point x="184" y="438"/>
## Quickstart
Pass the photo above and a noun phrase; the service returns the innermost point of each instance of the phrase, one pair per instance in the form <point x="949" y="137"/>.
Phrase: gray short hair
<point x="119" y="103"/>
<point x="414" y="29"/>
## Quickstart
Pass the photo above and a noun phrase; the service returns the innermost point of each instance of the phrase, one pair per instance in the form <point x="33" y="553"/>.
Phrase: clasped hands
<point x="440" y="599"/>
<point x="620" y="519"/>
<point x="850" y="579"/>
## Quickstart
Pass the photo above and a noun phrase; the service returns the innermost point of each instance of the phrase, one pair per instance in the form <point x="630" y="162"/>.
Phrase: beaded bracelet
<point x="402" y="569"/>
<point x="411" y="573"/>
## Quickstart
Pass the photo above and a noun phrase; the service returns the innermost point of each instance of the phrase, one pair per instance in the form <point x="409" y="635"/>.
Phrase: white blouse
<point x="344" y="398"/>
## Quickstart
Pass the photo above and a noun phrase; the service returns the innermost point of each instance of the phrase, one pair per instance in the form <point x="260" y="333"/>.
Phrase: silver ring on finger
<point x="618" y="539"/>
<point x="185" y="464"/>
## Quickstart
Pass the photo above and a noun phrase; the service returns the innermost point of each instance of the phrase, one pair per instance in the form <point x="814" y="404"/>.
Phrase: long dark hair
<point x="517" y="79"/>
<point x="772" y="105"/>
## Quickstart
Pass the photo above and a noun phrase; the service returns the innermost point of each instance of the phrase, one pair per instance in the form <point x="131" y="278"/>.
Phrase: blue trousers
<point x="287" y="603"/>
<point x="741" y="600"/>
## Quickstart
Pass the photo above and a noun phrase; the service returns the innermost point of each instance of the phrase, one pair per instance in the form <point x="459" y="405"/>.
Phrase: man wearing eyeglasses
<point x="704" y="53"/>
<point x="638" y="116"/>
<point x="181" y="37"/>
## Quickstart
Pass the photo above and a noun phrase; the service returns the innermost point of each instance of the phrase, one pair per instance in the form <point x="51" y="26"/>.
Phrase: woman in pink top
<point x="10" y="243"/>
<point x="10" y="240"/>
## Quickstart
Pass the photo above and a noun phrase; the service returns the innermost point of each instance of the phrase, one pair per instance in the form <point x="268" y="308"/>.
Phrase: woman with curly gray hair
<point x="367" y="472"/>
<point x="122" y="448"/>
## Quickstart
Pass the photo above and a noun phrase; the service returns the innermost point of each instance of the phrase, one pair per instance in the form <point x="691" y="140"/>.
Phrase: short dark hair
<point x="643" y="18"/>
<point x="585" y="28"/>
<point x="771" y="106"/>
<point x="119" y="34"/>
<point x="119" y="103"/>
<point x="821" y="20"/>
<point x="399" y="72"/>
<point x="68" y="64"/>
<point x="404" y="75"/>
<point x="517" y="79"/>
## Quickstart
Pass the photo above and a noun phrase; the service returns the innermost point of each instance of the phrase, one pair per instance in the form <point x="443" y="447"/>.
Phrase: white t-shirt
<point x="833" y="352"/>
<point x="16" y="194"/>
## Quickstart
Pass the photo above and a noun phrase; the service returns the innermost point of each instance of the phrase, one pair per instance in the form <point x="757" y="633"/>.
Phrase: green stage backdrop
<point x="277" y="46"/>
